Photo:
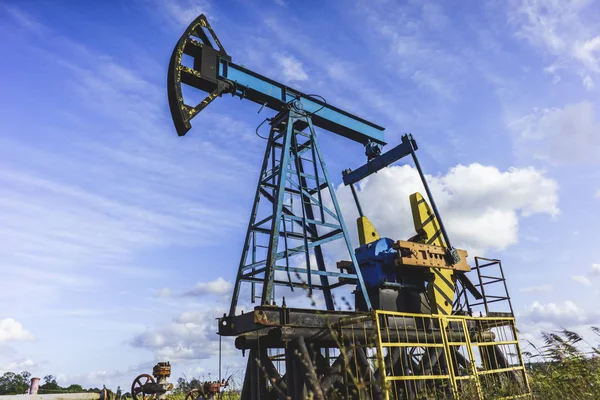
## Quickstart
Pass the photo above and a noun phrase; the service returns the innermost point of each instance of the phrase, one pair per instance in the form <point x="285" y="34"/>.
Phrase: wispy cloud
<point x="567" y="135"/>
<point x="582" y="279"/>
<point x="409" y="50"/>
<point x="537" y="289"/>
<point x="179" y="13"/>
<point x="108" y="184"/>
<point x="25" y="20"/>
<point x="566" y="29"/>
<point x="218" y="287"/>
<point x="291" y="68"/>
<point x="343" y="76"/>
<point x="135" y="190"/>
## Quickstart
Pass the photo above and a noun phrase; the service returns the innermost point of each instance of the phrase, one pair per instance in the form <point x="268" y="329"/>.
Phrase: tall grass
<point x="564" y="367"/>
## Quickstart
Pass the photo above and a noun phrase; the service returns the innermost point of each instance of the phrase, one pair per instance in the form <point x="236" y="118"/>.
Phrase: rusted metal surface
<point x="414" y="254"/>
<point x="145" y="387"/>
<point x="273" y="316"/>
<point x="162" y="369"/>
<point x="34" y="386"/>
<point x="208" y="390"/>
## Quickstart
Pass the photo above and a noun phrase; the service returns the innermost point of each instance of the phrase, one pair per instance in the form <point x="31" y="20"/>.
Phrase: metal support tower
<point x="295" y="213"/>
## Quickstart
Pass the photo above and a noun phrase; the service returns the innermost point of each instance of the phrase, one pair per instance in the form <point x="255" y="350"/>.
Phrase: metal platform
<point x="336" y="353"/>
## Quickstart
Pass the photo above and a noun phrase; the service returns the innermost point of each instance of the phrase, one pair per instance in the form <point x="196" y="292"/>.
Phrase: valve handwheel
<point x="193" y="394"/>
<point x="137" y="387"/>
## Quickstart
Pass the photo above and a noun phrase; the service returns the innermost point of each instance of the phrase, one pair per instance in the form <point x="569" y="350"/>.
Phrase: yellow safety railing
<point x="438" y="356"/>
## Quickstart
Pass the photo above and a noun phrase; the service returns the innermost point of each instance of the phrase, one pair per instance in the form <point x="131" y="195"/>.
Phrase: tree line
<point x="18" y="383"/>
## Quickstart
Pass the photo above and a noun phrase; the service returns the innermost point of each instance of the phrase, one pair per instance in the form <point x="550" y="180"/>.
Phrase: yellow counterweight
<point x="366" y="231"/>
<point x="441" y="290"/>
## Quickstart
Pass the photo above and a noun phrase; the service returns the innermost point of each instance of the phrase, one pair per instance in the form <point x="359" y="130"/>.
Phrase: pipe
<point x="34" y="386"/>
<point x="333" y="338"/>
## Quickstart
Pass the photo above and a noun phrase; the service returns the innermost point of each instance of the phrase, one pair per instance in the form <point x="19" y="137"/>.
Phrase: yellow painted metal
<point x="416" y="377"/>
<point x="385" y="384"/>
<point x="449" y="360"/>
<point x="469" y="347"/>
<point x="441" y="290"/>
<point x="366" y="231"/>
<point x="472" y="370"/>
<point x="414" y="254"/>
<point x="425" y="222"/>
<point x="410" y="344"/>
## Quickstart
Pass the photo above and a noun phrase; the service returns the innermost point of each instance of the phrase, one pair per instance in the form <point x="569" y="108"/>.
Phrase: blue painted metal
<point x="275" y="95"/>
<point x="407" y="147"/>
<point x="376" y="261"/>
<point x="293" y="168"/>
<point x="361" y="283"/>
<point x="212" y="71"/>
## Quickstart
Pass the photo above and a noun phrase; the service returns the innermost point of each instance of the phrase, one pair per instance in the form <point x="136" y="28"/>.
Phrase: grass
<point x="565" y="367"/>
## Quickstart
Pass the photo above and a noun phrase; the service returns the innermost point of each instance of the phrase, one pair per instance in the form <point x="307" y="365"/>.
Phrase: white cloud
<point x="17" y="366"/>
<point x="537" y="289"/>
<point x="10" y="330"/>
<point x="291" y="68"/>
<point x="588" y="82"/>
<point x="566" y="314"/>
<point x="595" y="269"/>
<point x="219" y="287"/>
<point x="588" y="52"/>
<point x="560" y="135"/>
<point x="584" y="280"/>
<point x="598" y="194"/>
<point x="164" y="292"/>
<point x="480" y="205"/>
<point x="191" y="336"/>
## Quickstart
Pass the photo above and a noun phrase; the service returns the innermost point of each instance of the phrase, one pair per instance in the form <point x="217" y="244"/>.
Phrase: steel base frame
<point x="376" y="355"/>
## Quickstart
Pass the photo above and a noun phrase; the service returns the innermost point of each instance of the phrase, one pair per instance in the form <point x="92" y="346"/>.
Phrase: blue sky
<point x="120" y="240"/>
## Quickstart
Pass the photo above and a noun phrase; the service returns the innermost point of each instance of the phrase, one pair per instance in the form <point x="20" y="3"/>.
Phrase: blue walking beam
<point x="212" y="71"/>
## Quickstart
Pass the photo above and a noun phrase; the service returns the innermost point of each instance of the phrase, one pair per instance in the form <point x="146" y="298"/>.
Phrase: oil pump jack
<point x="413" y="331"/>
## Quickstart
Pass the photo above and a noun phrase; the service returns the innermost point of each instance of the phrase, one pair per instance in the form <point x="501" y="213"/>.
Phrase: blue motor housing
<point x="376" y="262"/>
